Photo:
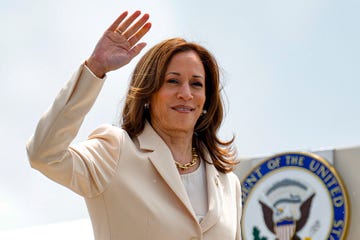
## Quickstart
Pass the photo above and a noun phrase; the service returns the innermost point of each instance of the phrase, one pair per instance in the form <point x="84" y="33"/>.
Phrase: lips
<point x="183" y="108"/>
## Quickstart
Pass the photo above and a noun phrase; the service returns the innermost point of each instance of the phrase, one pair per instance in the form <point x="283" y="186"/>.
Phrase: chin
<point x="184" y="127"/>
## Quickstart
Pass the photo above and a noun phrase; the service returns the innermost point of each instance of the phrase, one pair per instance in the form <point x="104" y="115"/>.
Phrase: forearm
<point x="60" y="124"/>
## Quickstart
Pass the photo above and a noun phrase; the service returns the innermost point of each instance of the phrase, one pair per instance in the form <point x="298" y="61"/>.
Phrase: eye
<point x="197" y="84"/>
<point x="172" y="80"/>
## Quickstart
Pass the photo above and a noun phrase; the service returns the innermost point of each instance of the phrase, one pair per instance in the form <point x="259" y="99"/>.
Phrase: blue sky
<point x="290" y="71"/>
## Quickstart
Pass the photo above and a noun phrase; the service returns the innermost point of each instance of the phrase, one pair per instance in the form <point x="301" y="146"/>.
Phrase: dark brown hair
<point x="148" y="77"/>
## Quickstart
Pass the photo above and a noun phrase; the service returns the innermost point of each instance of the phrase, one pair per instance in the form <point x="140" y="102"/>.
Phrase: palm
<point x="113" y="50"/>
<point x="118" y="45"/>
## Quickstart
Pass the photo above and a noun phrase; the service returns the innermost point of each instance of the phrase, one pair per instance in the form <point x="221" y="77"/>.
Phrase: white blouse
<point x="196" y="188"/>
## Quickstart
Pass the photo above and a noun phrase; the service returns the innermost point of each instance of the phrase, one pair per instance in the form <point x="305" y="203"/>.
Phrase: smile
<point x="183" y="109"/>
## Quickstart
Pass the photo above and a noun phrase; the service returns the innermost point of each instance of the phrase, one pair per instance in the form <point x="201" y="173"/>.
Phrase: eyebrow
<point x="178" y="74"/>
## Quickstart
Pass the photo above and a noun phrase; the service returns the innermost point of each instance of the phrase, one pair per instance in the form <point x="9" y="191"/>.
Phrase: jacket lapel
<point x="215" y="197"/>
<point x="162" y="159"/>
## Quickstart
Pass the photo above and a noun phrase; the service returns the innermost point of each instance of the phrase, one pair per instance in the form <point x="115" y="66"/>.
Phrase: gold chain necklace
<point x="185" y="166"/>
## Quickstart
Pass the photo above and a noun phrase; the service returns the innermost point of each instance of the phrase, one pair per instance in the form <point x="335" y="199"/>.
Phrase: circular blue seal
<point x="296" y="196"/>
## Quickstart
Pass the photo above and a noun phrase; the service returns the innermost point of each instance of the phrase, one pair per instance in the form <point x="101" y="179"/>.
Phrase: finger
<point x="139" y="34"/>
<point x="136" y="50"/>
<point x="116" y="23"/>
<point x="128" y="21"/>
<point x="135" y="27"/>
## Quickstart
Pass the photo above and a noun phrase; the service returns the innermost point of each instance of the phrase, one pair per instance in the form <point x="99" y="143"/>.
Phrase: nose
<point x="184" y="92"/>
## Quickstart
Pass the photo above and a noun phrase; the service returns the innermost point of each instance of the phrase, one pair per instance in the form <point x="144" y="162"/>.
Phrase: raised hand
<point x="119" y="44"/>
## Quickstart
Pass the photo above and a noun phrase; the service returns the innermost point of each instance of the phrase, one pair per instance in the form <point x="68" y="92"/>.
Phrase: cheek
<point x="158" y="100"/>
<point x="201" y="99"/>
<point x="158" y="105"/>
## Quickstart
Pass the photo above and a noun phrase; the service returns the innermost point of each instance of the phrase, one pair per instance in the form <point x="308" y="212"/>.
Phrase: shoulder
<point x="231" y="179"/>
<point x="107" y="129"/>
<point x="109" y="133"/>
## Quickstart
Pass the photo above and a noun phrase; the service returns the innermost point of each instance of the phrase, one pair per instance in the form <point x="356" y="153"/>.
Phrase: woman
<point x="163" y="175"/>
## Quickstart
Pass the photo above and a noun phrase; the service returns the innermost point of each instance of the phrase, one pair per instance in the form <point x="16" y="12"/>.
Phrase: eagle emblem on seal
<point x="286" y="207"/>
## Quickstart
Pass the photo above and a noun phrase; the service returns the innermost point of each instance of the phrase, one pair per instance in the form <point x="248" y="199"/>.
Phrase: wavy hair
<point x="148" y="77"/>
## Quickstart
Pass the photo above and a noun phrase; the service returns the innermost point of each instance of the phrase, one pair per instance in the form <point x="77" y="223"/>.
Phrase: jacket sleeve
<point x="76" y="167"/>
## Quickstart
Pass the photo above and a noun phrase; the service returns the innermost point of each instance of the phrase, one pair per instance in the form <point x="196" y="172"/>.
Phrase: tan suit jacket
<point x="131" y="186"/>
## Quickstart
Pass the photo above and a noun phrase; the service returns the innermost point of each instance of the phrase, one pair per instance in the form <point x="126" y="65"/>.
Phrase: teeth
<point x="183" y="109"/>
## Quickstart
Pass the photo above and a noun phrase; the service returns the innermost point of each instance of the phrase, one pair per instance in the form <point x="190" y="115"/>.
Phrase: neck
<point x="180" y="146"/>
<point x="179" y="142"/>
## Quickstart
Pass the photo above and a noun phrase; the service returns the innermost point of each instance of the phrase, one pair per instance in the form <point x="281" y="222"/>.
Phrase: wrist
<point x="95" y="68"/>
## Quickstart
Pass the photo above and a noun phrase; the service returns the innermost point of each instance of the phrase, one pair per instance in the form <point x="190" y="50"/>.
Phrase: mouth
<point x="183" y="109"/>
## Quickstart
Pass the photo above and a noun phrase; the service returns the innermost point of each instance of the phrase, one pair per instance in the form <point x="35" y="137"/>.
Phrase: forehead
<point x="186" y="61"/>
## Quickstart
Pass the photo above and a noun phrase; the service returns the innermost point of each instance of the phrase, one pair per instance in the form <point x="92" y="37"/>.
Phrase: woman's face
<point x="179" y="102"/>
